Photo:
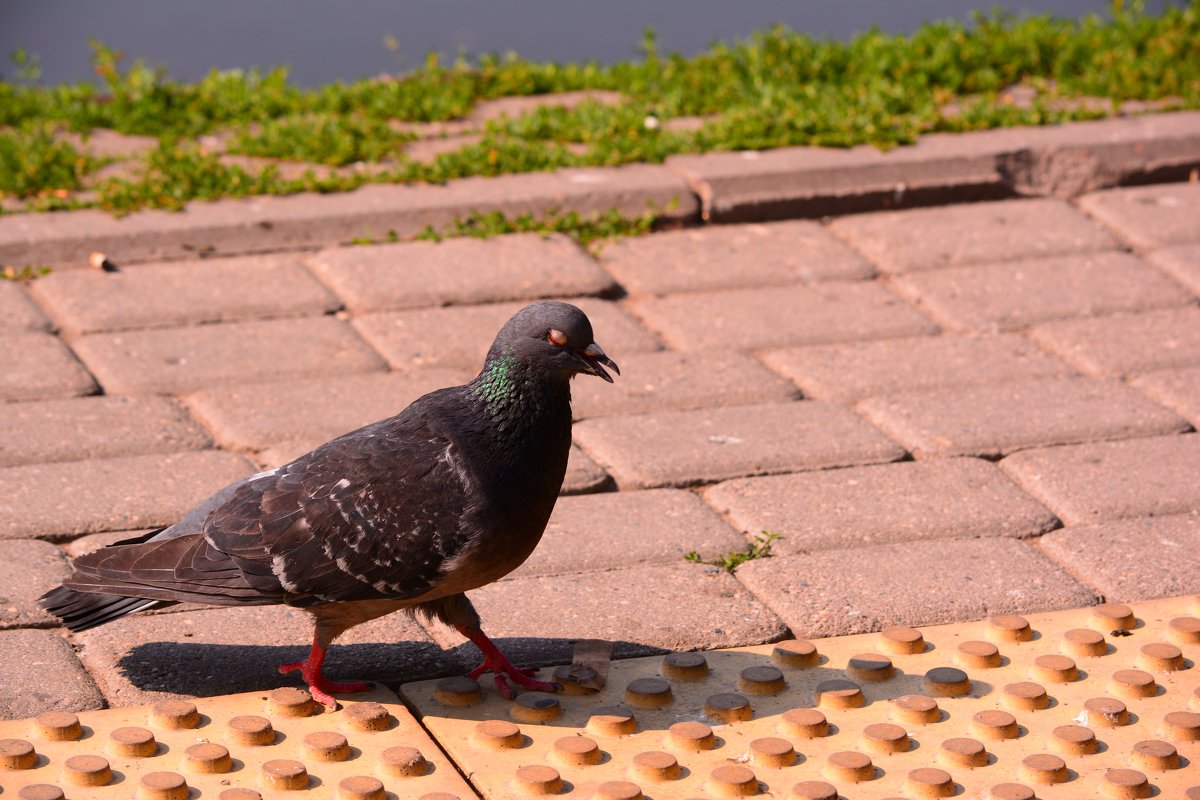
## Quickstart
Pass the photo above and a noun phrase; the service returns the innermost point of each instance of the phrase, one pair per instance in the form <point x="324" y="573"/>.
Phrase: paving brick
<point x="640" y="610"/>
<point x="837" y="592"/>
<point x="971" y="233"/>
<point x="59" y="501"/>
<point x="95" y="427"/>
<point x="791" y="315"/>
<point x="146" y="658"/>
<point x="1181" y="262"/>
<point x="1126" y="344"/>
<point x="1017" y="294"/>
<point x="170" y="295"/>
<point x="1149" y="216"/>
<point x="995" y="420"/>
<point x="177" y="360"/>
<point x="672" y="380"/>
<point x="520" y="106"/>
<point x="255" y="416"/>
<point x="459" y="271"/>
<point x="34" y="366"/>
<point x="31" y="568"/>
<point x="460" y="337"/>
<point x="681" y="448"/>
<point x="624" y="529"/>
<point x="1137" y="559"/>
<point x="41" y="673"/>
<point x="695" y="259"/>
<point x="845" y="508"/>
<point x="17" y="311"/>
<point x="1178" y="390"/>
<point x="1089" y="483"/>
<point x="848" y="372"/>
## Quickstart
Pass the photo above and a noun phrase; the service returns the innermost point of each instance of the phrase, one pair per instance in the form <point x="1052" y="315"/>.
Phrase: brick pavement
<point x="818" y="379"/>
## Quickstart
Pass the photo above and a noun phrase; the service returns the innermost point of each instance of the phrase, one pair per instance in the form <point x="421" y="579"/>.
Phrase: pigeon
<point x="408" y="513"/>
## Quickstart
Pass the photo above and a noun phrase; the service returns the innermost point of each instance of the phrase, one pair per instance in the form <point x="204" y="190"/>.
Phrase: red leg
<point x="496" y="662"/>
<point x="321" y="689"/>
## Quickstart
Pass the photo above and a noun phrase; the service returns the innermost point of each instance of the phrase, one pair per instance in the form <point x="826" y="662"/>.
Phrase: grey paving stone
<point x="36" y="366"/>
<point x="624" y="529"/>
<point x="1149" y="216"/>
<point x="177" y="360"/>
<point x="41" y="673"/>
<point x="681" y="448"/>
<point x="673" y="380"/>
<point x="171" y="295"/>
<point x="255" y="416"/>
<point x="996" y="420"/>
<point x="732" y="256"/>
<point x="776" y="317"/>
<point x="1089" y="483"/>
<point x="1181" y="262"/>
<point x="971" y="233"/>
<point x="60" y="501"/>
<point x="1016" y="294"/>
<point x="460" y="337"/>
<point x="1178" y="390"/>
<point x="17" y="311"/>
<point x="95" y="427"/>
<point x="836" y="592"/>
<point x="31" y="568"/>
<point x="459" y="271"/>
<point x="147" y="658"/>
<point x="1126" y="344"/>
<point x="1137" y="559"/>
<point x="888" y="504"/>
<point x="848" y="372"/>
<point x="640" y="610"/>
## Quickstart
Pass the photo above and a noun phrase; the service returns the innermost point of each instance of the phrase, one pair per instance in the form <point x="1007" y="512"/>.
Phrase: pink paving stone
<point x="517" y="106"/>
<point x="1181" y="262"/>
<point x="17" y="311"/>
<point x="1149" y="216"/>
<point x="672" y="380"/>
<point x="42" y="673"/>
<point x="35" y="366"/>
<point x="60" y="501"/>
<point x="971" y="233"/>
<point x="836" y="592"/>
<point x="732" y="256"/>
<point x="1126" y="344"/>
<point x="790" y="315"/>
<point x="1089" y="483"/>
<point x="996" y="420"/>
<point x="1020" y="293"/>
<point x="255" y="416"/>
<point x="1138" y="559"/>
<point x="95" y="427"/>
<point x="848" y="372"/>
<point x="1178" y="390"/>
<point x="624" y="529"/>
<point x="177" y="360"/>
<point x="459" y="271"/>
<point x="175" y="294"/>
<point x="460" y="337"/>
<point x="845" y="508"/>
<point x="680" y="448"/>
<point x="31" y="568"/>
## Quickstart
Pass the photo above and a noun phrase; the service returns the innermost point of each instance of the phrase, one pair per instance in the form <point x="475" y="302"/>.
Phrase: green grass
<point x="759" y="548"/>
<point x="33" y="162"/>
<point x="774" y="88"/>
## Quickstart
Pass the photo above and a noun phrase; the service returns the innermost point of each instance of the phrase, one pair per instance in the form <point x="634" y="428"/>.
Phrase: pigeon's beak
<point x="593" y="356"/>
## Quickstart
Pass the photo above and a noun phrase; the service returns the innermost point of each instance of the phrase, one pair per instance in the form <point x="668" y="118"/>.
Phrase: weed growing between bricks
<point x="759" y="548"/>
<point x="775" y="88"/>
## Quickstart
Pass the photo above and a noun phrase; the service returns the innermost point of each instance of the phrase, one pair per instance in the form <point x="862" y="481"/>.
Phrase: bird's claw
<point x="319" y="687"/>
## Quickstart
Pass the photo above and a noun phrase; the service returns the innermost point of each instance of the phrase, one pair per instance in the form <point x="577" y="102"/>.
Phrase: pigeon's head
<point x="554" y="339"/>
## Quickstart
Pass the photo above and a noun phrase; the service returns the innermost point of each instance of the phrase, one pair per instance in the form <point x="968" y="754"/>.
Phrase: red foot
<point x="320" y="688"/>
<point x="496" y="662"/>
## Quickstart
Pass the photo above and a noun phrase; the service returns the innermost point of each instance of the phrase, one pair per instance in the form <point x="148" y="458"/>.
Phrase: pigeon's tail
<point x="82" y="610"/>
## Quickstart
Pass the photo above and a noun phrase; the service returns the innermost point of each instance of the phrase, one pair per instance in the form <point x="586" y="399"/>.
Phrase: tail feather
<point x="80" y="611"/>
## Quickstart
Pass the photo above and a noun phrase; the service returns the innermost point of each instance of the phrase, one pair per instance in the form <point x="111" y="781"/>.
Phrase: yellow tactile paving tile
<point x="269" y="745"/>
<point x="1099" y="702"/>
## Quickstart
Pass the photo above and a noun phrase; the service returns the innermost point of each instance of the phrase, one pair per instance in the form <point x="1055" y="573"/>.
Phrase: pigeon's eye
<point x="557" y="337"/>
